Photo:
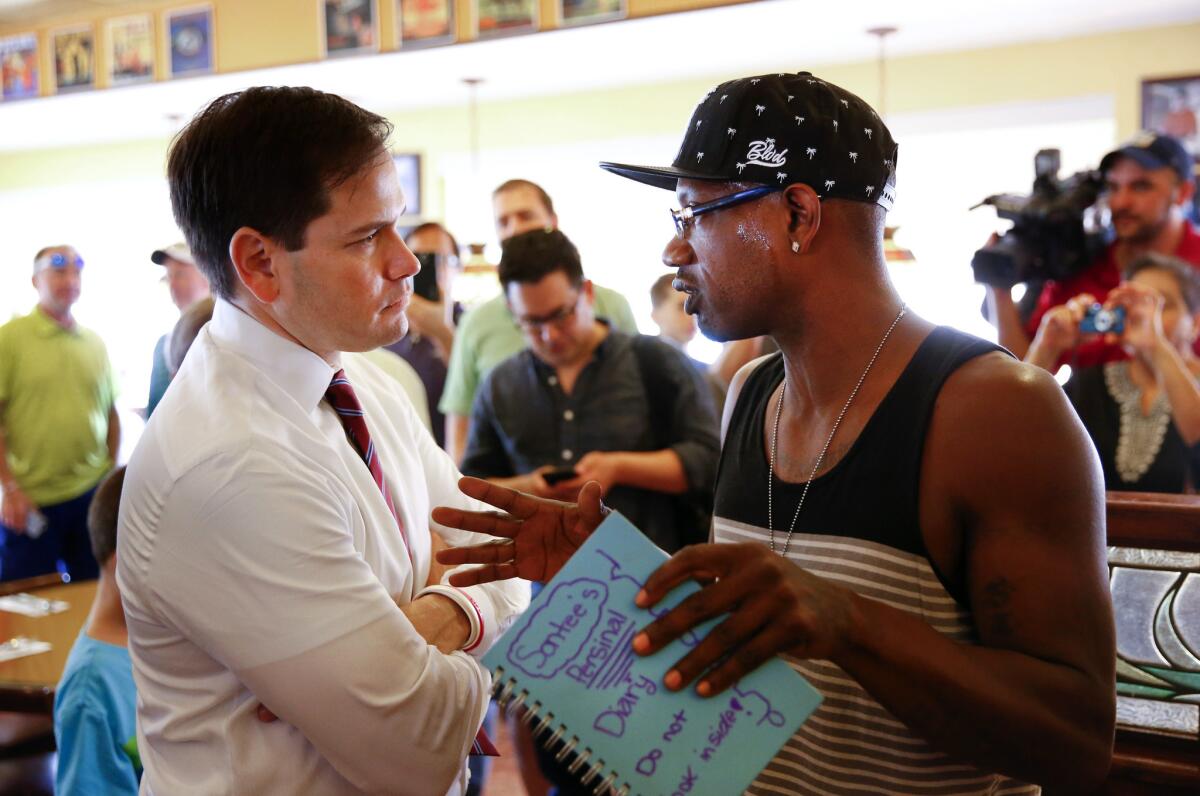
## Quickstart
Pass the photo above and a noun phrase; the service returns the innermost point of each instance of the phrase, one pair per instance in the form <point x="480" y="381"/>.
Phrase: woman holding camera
<point x="1143" y="413"/>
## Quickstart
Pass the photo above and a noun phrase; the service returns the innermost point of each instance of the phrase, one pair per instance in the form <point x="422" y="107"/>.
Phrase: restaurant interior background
<point x="972" y="91"/>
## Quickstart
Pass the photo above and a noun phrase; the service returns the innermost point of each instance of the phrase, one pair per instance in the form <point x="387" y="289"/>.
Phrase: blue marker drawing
<point x="559" y="629"/>
<point x="752" y="697"/>
<point x="572" y="655"/>
<point x="615" y="572"/>
<point x="689" y="639"/>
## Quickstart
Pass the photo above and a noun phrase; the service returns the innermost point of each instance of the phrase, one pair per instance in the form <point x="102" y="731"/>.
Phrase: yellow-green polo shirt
<point x="56" y="389"/>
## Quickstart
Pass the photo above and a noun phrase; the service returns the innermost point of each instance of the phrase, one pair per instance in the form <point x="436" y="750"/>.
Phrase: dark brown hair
<point x="184" y="334"/>
<point x="530" y="256"/>
<point x="1185" y="274"/>
<point x="102" y="515"/>
<point x="428" y="226"/>
<point x="265" y="158"/>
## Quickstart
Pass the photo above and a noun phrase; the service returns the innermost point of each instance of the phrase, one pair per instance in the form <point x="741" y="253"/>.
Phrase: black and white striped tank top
<point x="860" y="528"/>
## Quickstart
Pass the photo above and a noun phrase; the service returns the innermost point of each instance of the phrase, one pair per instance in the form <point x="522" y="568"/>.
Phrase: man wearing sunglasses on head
<point x="912" y="517"/>
<point x="59" y="430"/>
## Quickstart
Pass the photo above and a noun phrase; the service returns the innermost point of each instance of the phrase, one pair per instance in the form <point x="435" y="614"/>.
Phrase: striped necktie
<point x="341" y="397"/>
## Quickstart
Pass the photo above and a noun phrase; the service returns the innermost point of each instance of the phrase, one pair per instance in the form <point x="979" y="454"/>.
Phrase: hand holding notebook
<point x="569" y="662"/>
<point x="773" y="607"/>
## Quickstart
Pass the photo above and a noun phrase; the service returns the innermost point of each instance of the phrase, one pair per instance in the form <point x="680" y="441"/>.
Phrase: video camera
<point x="1048" y="239"/>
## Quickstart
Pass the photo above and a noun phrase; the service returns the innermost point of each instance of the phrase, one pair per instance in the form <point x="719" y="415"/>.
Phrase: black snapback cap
<point x="780" y="129"/>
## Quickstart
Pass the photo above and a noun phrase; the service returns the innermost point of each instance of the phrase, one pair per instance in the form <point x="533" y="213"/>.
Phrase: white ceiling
<point x="728" y="41"/>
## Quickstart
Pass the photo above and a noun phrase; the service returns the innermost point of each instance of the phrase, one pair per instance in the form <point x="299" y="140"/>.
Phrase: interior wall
<point x="1110" y="64"/>
<point x="253" y="34"/>
<point x="953" y="108"/>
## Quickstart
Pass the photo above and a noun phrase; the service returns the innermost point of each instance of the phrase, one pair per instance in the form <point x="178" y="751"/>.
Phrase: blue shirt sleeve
<point x="90" y="759"/>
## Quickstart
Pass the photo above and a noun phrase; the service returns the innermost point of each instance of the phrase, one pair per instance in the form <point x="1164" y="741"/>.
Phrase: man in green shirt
<point x="488" y="334"/>
<point x="58" y="427"/>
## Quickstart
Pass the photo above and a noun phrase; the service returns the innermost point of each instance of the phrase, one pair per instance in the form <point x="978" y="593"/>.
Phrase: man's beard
<point x="1144" y="233"/>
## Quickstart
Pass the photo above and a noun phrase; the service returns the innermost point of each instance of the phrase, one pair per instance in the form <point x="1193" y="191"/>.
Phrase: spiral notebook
<point x="569" y="663"/>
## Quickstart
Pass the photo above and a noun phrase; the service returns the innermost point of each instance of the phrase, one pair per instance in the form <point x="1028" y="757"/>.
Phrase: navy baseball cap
<point x="1153" y="151"/>
<point x="780" y="129"/>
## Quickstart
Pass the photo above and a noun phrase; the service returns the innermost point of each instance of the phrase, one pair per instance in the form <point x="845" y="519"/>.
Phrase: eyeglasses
<point x="683" y="217"/>
<point x="557" y="319"/>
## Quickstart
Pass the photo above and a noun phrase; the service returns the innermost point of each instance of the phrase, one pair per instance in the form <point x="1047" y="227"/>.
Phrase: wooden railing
<point x="1145" y="761"/>
<point x="1155" y="522"/>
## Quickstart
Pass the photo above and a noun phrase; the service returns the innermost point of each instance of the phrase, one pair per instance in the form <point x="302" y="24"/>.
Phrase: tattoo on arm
<point x="994" y="611"/>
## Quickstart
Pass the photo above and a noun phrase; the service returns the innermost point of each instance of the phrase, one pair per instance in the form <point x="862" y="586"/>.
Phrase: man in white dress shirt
<point x="275" y="552"/>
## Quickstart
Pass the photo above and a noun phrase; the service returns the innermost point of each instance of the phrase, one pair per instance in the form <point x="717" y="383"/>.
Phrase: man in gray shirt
<point x="586" y="402"/>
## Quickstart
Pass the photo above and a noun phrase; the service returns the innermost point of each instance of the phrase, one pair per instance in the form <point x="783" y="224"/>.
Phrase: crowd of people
<point x="295" y="588"/>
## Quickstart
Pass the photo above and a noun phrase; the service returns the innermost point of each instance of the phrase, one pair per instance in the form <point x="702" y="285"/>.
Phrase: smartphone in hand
<point x="425" y="281"/>
<point x="559" y="474"/>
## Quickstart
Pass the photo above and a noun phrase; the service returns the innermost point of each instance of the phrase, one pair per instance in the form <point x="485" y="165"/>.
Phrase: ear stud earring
<point x="796" y="246"/>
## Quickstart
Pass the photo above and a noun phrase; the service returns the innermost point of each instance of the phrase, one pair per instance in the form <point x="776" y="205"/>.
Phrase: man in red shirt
<point x="1148" y="183"/>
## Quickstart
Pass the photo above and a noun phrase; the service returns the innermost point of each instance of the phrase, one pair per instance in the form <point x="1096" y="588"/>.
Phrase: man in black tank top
<point x="913" y="518"/>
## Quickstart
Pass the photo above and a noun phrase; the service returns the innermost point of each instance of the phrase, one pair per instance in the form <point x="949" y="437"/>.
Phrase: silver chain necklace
<point x="775" y="436"/>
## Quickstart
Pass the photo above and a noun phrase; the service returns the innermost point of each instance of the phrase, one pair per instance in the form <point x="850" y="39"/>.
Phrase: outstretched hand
<point x="539" y="535"/>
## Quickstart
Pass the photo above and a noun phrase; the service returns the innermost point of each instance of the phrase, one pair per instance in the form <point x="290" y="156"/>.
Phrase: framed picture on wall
<point x="424" y="23"/>
<point x="349" y="26"/>
<point x="19" y="66"/>
<point x="585" y="12"/>
<point x="189" y="40"/>
<point x="504" y="17"/>
<point x="1172" y="106"/>
<point x="408" y="167"/>
<point x="74" y="52"/>
<point x="130" y="49"/>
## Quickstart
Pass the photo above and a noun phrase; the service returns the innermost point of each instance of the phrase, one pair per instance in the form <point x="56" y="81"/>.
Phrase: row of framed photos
<point x="348" y="27"/>
<point x="352" y="26"/>
<point x="129" y="46"/>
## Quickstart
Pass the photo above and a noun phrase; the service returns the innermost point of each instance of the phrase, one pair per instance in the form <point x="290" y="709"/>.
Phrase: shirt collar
<point x="45" y="326"/>
<point x="605" y="346"/>
<point x="298" y="371"/>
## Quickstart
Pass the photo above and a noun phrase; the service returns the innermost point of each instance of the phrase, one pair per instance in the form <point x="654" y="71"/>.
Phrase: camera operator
<point x="1147" y="185"/>
<point x="1143" y="414"/>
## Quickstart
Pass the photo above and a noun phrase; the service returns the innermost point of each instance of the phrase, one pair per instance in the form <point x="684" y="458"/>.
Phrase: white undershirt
<point x="258" y="561"/>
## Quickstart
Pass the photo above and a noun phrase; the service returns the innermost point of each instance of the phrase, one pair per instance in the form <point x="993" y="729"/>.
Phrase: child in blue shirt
<point x="95" y="703"/>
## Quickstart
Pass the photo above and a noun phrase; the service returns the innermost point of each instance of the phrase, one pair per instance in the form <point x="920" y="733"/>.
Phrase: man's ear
<point x="253" y="255"/>
<point x="1187" y="189"/>
<point x="588" y="290"/>
<point x="804" y="216"/>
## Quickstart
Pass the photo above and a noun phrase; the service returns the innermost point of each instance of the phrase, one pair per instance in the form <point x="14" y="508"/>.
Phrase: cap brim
<point x="664" y="177"/>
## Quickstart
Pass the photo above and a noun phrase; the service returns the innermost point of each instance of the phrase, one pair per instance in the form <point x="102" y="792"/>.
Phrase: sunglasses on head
<point x="60" y="260"/>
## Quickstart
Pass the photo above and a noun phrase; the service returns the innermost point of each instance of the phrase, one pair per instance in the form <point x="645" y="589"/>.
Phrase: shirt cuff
<point x="469" y="607"/>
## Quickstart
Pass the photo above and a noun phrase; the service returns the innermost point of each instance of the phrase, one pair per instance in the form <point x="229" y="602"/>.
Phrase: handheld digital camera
<point x="1098" y="320"/>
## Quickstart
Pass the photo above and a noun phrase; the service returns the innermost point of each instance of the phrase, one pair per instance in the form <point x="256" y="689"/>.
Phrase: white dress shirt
<point x="258" y="562"/>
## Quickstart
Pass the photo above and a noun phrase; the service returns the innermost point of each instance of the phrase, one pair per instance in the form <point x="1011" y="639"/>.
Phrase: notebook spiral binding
<point x="509" y="698"/>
